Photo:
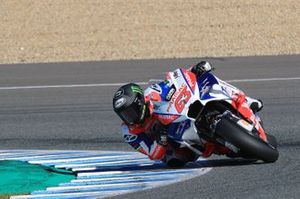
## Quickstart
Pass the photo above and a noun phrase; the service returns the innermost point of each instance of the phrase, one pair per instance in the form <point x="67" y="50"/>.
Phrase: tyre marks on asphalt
<point x="101" y="174"/>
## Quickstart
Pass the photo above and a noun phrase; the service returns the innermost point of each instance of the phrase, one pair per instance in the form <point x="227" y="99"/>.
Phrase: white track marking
<point x="140" y="83"/>
<point x="114" y="178"/>
<point x="65" y="86"/>
<point x="113" y="157"/>
<point x="114" y="162"/>
<point x="264" y="79"/>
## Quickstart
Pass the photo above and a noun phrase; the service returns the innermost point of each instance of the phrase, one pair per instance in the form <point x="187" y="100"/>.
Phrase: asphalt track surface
<point x="81" y="118"/>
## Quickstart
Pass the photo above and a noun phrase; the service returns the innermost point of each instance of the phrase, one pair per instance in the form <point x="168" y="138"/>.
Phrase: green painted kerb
<point x="18" y="177"/>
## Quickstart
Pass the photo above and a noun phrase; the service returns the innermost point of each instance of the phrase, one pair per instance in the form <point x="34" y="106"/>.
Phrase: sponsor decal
<point x="182" y="99"/>
<point x="175" y="74"/>
<point x="120" y="102"/>
<point x="170" y="94"/>
<point x="156" y="87"/>
<point x="182" y="127"/>
<point x="119" y="93"/>
<point x="204" y="90"/>
<point x="143" y="113"/>
<point x="136" y="89"/>
<point x="172" y="100"/>
<point x="174" y="97"/>
<point x="167" y="119"/>
<point x="130" y="138"/>
<point x="245" y="125"/>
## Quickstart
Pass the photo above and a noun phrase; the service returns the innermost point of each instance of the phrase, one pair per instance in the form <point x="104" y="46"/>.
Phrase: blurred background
<point x="60" y="30"/>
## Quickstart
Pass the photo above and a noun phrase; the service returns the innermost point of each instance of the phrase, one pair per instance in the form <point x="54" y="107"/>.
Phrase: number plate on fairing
<point x="185" y="89"/>
<point x="245" y="125"/>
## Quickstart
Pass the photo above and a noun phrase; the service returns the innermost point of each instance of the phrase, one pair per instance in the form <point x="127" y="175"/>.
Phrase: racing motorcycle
<point x="205" y="110"/>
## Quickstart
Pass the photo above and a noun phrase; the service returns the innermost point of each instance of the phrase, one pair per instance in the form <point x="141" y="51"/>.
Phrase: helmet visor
<point x="133" y="114"/>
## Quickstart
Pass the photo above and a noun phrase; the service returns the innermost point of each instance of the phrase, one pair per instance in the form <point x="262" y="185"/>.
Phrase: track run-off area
<point x="66" y="108"/>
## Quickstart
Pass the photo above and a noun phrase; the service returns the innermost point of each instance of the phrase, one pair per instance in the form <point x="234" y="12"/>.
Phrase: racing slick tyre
<point x="272" y="140"/>
<point x="248" y="143"/>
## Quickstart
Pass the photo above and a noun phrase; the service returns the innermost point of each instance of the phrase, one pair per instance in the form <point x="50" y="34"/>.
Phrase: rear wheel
<point x="272" y="140"/>
<point x="248" y="143"/>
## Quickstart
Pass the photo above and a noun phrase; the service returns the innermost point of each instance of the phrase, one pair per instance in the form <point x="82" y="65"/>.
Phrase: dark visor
<point x="129" y="115"/>
<point x="132" y="114"/>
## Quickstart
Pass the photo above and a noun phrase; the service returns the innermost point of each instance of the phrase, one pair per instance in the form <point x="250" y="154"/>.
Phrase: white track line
<point x="66" y="86"/>
<point x="140" y="83"/>
<point x="264" y="79"/>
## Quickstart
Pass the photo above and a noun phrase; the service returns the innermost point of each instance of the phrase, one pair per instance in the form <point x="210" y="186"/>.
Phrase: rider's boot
<point x="209" y="149"/>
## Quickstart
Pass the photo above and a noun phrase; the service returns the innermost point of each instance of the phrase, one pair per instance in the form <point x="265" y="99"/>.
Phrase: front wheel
<point x="249" y="144"/>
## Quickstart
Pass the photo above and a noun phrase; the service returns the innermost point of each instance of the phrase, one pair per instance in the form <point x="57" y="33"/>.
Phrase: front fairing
<point x="188" y="90"/>
<point x="212" y="89"/>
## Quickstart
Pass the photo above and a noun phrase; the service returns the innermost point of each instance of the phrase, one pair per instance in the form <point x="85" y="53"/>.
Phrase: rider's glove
<point x="201" y="68"/>
<point x="162" y="138"/>
<point x="160" y="132"/>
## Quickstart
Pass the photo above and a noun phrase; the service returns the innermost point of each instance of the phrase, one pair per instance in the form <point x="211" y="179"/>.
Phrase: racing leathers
<point x="146" y="137"/>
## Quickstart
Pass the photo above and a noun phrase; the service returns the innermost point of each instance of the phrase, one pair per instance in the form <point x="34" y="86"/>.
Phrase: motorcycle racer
<point x="146" y="131"/>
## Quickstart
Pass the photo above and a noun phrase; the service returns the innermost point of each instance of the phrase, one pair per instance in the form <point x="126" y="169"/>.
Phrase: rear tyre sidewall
<point x="272" y="140"/>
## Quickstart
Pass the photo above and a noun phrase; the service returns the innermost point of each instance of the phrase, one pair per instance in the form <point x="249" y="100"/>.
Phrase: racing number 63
<point x="182" y="99"/>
